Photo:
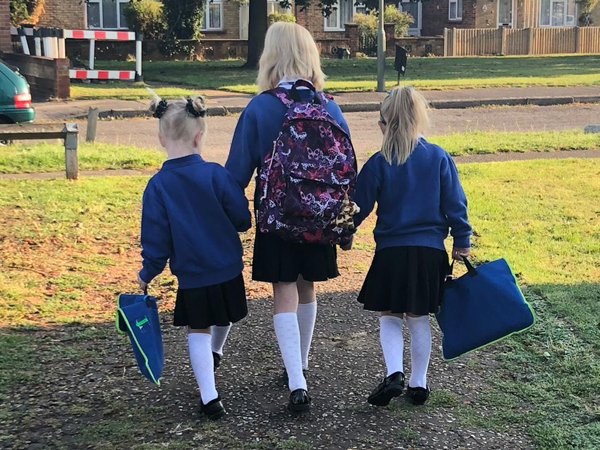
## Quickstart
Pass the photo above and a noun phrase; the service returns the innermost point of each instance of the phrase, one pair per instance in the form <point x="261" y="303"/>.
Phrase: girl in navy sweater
<point x="191" y="215"/>
<point x="419" y="199"/>
<point x="290" y="54"/>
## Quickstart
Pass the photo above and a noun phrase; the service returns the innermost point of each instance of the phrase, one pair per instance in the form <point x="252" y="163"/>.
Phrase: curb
<point x="374" y="106"/>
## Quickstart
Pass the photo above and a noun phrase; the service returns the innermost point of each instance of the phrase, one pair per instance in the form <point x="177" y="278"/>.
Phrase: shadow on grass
<point x="77" y="386"/>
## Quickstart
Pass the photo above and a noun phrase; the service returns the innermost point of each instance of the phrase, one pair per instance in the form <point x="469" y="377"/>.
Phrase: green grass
<point x="60" y="262"/>
<point x="483" y="142"/>
<point x="360" y="74"/>
<point x="123" y="91"/>
<point x="45" y="157"/>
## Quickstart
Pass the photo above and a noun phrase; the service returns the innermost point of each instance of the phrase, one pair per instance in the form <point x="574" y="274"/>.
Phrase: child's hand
<point x="460" y="253"/>
<point x="347" y="245"/>
<point x="142" y="283"/>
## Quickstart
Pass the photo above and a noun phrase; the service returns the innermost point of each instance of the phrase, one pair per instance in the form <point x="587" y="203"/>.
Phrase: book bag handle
<point x="303" y="83"/>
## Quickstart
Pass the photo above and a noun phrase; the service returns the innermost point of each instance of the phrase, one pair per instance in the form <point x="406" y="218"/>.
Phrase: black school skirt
<point x="277" y="260"/>
<point x="405" y="280"/>
<point x="218" y="304"/>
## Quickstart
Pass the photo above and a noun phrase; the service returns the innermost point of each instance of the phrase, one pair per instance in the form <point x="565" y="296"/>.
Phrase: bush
<point x="146" y="16"/>
<point x="25" y="11"/>
<point x="280" y="17"/>
<point x="367" y="23"/>
<point x="401" y="20"/>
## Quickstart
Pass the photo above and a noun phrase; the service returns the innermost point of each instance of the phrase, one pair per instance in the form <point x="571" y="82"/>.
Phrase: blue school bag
<point x="480" y="308"/>
<point x="137" y="316"/>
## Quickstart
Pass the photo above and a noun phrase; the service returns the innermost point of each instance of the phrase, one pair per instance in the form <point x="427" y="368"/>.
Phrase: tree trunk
<point x="257" y="29"/>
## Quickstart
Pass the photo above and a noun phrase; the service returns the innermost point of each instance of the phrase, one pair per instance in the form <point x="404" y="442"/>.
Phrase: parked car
<point x="15" y="97"/>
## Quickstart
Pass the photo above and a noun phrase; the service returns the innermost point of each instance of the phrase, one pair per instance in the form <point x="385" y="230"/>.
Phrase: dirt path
<point x="100" y="401"/>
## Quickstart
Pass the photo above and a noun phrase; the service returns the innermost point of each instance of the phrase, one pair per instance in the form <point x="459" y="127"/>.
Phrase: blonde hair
<point x="291" y="52"/>
<point x="405" y="113"/>
<point x="177" y="120"/>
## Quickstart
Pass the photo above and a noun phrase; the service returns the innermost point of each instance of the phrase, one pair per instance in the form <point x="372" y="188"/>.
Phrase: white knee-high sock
<point x="420" y="349"/>
<point x="392" y="343"/>
<point x="219" y="336"/>
<point x="307" y="315"/>
<point x="288" y="337"/>
<point x="202" y="362"/>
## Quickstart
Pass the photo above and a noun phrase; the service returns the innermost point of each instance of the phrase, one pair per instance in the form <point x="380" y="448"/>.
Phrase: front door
<point x="505" y="13"/>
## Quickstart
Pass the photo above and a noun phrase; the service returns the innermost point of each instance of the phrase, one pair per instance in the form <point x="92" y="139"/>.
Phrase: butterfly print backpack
<point x="307" y="180"/>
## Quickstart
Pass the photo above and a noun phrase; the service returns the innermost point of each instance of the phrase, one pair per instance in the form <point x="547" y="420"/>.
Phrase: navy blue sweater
<point x="191" y="213"/>
<point x="257" y="128"/>
<point x="417" y="202"/>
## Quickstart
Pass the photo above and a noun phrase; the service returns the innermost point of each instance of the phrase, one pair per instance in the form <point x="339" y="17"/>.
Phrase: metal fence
<point x="367" y="44"/>
<point x="526" y="41"/>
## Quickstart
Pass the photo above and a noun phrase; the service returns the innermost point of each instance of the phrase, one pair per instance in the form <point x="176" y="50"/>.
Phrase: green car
<point x="15" y="98"/>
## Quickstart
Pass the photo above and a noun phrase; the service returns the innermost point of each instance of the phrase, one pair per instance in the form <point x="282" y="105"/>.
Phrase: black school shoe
<point x="418" y="395"/>
<point x="216" y="360"/>
<point x="214" y="409"/>
<point x="299" y="401"/>
<point x="389" y="388"/>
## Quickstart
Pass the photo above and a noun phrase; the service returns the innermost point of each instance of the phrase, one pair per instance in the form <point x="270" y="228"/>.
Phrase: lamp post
<point x="381" y="49"/>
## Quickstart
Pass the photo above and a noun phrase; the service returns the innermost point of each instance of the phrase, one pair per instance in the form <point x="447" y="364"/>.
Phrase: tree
<point x="257" y="26"/>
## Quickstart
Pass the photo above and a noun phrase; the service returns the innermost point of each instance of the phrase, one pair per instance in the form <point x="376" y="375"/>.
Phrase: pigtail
<point x="195" y="106"/>
<point x="158" y="106"/>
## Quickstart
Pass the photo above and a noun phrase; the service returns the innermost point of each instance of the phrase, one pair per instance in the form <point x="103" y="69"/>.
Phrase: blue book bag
<point x="137" y="316"/>
<point x="482" y="307"/>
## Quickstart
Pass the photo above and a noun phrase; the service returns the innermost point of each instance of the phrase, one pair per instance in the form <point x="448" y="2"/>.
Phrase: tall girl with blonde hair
<point x="291" y="61"/>
<point x="419" y="200"/>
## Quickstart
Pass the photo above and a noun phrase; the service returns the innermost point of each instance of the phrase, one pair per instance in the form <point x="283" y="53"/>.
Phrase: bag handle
<point x="306" y="84"/>
<point x="472" y="271"/>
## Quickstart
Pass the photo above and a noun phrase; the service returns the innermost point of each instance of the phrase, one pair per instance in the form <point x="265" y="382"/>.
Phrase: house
<point x="5" y="39"/>
<point x="226" y="19"/>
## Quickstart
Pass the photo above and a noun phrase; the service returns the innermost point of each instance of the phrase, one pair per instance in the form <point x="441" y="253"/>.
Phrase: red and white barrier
<point x="102" y="74"/>
<point x="54" y="47"/>
<point x="100" y="35"/>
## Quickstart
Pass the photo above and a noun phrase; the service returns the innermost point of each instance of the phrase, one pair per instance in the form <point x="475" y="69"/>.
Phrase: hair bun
<point x="158" y="107"/>
<point x="196" y="106"/>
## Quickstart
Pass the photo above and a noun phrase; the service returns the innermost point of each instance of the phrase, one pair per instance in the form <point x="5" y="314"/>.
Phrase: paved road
<point x="363" y="126"/>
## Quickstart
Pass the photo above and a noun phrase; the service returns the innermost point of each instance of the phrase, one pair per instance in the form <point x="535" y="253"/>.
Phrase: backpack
<point x="305" y="183"/>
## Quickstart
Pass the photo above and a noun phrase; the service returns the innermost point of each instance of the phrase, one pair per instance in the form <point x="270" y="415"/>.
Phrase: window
<point x="106" y="14"/>
<point x="415" y="9"/>
<point x="213" y="15"/>
<point x="558" y="13"/>
<point x="342" y="13"/>
<point x="273" y="6"/>
<point x="455" y="10"/>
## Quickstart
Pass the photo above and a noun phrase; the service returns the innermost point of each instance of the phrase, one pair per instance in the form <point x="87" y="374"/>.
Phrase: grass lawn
<point x="360" y="74"/>
<point x="485" y="142"/>
<point x="67" y="248"/>
<point x="123" y="91"/>
<point x="44" y="157"/>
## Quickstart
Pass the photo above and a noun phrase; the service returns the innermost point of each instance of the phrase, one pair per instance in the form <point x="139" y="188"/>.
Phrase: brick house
<point x="5" y="42"/>
<point x="229" y="20"/>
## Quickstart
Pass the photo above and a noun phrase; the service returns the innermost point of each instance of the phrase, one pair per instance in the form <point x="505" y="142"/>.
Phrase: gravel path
<point x="75" y="397"/>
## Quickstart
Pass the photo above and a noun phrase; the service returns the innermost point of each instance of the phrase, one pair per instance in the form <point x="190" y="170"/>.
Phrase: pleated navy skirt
<point x="405" y="280"/>
<point x="218" y="304"/>
<point x="276" y="260"/>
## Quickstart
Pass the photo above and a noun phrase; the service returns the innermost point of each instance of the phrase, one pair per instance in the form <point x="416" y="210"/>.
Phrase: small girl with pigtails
<point x="191" y="214"/>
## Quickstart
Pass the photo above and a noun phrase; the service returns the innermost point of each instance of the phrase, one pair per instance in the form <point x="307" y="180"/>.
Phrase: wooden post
<point x="71" y="162"/>
<point x="92" y="123"/>
<point x="530" y="42"/>
<point x="577" y="40"/>
<point x="446" y="42"/>
<point x="503" y="48"/>
<point x="454" y="42"/>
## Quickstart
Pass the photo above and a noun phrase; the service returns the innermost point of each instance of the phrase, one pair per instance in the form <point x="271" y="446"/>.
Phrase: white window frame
<point x="419" y="19"/>
<point x="206" y="25"/>
<point x="458" y="17"/>
<point x="273" y="6"/>
<point x="566" y="24"/>
<point x="341" y="26"/>
<point x="101" y="9"/>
